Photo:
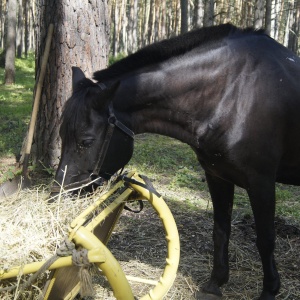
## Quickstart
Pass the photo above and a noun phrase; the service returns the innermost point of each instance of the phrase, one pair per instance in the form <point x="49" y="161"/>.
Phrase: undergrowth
<point x="16" y="104"/>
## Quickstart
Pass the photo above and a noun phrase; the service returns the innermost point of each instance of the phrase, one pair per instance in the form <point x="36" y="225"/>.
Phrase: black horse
<point x="233" y="95"/>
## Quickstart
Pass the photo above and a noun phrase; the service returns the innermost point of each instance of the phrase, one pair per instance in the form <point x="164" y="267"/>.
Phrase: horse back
<point x="256" y="123"/>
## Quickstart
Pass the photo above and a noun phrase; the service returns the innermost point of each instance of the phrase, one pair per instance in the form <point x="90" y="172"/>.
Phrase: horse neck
<point x="147" y="104"/>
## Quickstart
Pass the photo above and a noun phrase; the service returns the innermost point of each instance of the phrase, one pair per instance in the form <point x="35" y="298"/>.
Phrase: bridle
<point x="113" y="122"/>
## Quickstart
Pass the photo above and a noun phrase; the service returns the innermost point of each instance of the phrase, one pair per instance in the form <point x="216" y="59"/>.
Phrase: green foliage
<point x="49" y="171"/>
<point x="112" y="59"/>
<point x="16" y="104"/>
<point x="287" y="201"/>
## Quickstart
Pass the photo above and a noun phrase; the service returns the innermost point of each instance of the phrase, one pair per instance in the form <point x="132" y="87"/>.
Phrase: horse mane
<point x="163" y="50"/>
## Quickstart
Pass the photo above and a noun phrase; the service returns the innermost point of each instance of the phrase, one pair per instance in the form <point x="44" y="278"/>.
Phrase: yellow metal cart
<point x="90" y="232"/>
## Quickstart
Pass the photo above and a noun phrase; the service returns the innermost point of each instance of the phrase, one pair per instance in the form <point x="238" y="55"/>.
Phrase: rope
<point x="79" y="258"/>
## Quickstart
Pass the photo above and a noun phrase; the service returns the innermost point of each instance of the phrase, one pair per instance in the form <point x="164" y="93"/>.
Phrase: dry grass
<point x="31" y="229"/>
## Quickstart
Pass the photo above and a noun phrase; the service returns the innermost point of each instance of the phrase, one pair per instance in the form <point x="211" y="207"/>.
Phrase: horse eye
<point x="87" y="143"/>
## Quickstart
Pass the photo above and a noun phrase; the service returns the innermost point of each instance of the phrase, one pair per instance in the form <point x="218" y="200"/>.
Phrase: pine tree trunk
<point x="294" y="27"/>
<point x="259" y="14"/>
<point x="209" y="13"/>
<point x="32" y="25"/>
<point x="146" y="22"/>
<point x="115" y="20"/>
<point x="1" y="24"/>
<point x="10" y="45"/>
<point x="20" y="29"/>
<point x="163" y="31"/>
<point x="81" y="31"/>
<point x="288" y="22"/>
<point x="198" y="13"/>
<point x="268" y="16"/>
<point x="26" y="27"/>
<point x="132" y="27"/>
<point x="151" y="22"/>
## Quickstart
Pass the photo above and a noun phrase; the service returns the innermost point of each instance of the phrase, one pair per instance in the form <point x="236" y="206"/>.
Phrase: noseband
<point x="113" y="122"/>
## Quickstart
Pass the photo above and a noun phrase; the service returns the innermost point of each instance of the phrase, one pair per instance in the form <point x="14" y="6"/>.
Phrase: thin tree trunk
<point x="117" y="28"/>
<point x="288" y="22"/>
<point x="177" y="17"/>
<point x="1" y="25"/>
<point x="20" y="29"/>
<point x="198" y="13"/>
<point x="26" y="27"/>
<point x="135" y="26"/>
<point x="209" y="13"/>
<point x="151" y="22"/>
<point x="294" y="27"/>
<point x="282" y="23"/>
<point x="276" y="20"/>
<point x="268" y="16"/>
<point x="123" y="28"/>
<point x="146" y="22"/>
<point x="10" y="45"/>
<point x="32" y="13"/>
<point x="184" y="15"/>
<point x="259" y="14"/>
<point x="157" y="20"/>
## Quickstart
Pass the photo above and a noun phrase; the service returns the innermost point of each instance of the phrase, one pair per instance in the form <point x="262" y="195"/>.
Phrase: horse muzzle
<point x="87" y="185"/>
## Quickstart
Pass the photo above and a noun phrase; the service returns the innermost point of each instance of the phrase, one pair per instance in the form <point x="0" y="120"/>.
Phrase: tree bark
<point x="10" y="45"/>
<point x="81" y="31"/>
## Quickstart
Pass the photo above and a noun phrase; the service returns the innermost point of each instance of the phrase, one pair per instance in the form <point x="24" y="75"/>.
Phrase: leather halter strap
<point x="112" y="123"/>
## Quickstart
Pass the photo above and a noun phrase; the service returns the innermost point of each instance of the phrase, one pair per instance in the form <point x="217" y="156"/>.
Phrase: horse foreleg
<point x="222" y="197"/>
<point x="262" y="198"/>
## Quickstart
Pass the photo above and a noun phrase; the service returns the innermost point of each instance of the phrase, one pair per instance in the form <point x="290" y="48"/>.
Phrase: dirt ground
<point x="139" y="244"/>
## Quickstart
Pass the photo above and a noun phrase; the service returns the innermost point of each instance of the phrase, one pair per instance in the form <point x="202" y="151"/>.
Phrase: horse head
<point x="95" y="143"/>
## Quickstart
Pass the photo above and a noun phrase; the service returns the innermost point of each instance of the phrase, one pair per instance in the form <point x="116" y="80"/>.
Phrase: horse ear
<point x="101" y="98"/>
<point x="77" y="76"/>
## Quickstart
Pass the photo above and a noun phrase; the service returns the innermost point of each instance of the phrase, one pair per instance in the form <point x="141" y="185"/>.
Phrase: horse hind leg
<point x="222" y="197"/>
<point x="262" y="198"/>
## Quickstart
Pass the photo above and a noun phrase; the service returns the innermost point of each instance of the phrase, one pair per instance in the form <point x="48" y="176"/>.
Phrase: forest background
<point x="136" y="23"/>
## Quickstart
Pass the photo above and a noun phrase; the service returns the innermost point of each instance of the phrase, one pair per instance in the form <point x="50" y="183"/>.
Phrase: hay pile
<point x="31" y="230"/>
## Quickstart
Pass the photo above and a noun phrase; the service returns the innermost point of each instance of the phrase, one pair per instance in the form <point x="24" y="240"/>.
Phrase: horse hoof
<point x="203" y="296"/>
<point x="266" y="296"/>
<point x="211" y="288"/>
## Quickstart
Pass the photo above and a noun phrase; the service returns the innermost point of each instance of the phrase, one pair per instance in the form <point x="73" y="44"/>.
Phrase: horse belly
<point x="289" y="173"/>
